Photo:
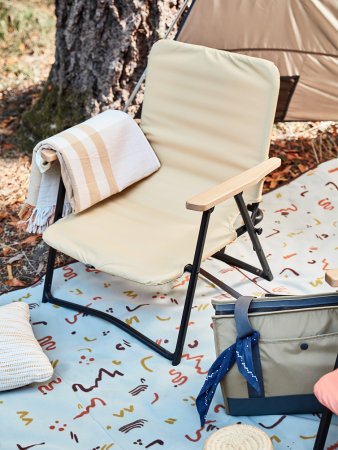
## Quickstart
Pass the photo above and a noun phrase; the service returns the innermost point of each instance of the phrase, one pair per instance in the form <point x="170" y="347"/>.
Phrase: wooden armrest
<point x="217" y="194"/>
<point x="48" y="155"/>
<point x="331" y="277"/>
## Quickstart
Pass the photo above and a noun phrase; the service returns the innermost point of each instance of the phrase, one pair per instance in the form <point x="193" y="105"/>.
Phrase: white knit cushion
<point x="22" y="360"/>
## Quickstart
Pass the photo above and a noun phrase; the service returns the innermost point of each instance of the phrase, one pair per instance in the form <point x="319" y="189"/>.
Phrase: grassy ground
<point x="27" y="30"/>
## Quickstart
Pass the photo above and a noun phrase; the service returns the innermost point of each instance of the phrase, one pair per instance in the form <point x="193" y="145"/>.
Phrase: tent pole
<point x="142" y="78"/>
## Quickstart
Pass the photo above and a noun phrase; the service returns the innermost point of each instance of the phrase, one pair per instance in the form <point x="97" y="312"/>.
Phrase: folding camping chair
<point x="208" y="115"/>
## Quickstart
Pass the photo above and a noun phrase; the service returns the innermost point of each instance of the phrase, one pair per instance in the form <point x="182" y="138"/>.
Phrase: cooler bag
<point x="281" y="344"/>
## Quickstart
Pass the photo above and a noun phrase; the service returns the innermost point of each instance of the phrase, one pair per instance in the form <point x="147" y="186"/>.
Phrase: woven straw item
<point x="238" y="437"/>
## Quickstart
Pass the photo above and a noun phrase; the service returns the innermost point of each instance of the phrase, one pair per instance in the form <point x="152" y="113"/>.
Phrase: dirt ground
<point x="301" y="146"/>
<point x="22" y="256"/>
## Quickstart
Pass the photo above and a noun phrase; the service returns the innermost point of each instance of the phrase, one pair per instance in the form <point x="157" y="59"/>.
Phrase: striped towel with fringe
<point x="96" y="159"/>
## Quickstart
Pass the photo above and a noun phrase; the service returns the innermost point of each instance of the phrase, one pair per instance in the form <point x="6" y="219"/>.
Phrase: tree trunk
<point x="101" y="51"/>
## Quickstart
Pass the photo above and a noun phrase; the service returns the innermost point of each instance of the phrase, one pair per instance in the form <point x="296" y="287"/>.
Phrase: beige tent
<point x="299" y="36"/>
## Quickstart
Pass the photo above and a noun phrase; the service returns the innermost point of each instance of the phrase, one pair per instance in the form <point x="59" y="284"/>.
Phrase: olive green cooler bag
<point x="295" y="343"/>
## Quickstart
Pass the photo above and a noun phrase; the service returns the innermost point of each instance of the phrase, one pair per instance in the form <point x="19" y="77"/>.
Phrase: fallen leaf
<point x="12" y="223"/>
<point x="3" y="215"/>
<point x="21" y="199"/>
<point x="40" y="267"/>
<point x="31" y="240"/>
<point x="15" y="282"/>
<point x="21" y="225"/>
<point x="8" y="146"/>
<point x="5" y="131"/>
<point x="15" y="258"/>
<point x="5" y="251"/>
<point x="273" y="184"/>
<point x="303" y="168"/>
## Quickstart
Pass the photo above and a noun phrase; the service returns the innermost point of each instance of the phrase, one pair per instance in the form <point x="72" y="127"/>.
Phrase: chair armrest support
<point x="218" y="194"/>
<point x="48" y="155"/>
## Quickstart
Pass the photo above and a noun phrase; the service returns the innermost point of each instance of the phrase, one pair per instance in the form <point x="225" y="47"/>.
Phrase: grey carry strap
<point x="242" y="321"/>
<point x="244" y="329"/>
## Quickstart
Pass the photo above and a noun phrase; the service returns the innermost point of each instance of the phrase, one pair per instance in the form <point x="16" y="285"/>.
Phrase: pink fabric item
<point x="326" y="390"/>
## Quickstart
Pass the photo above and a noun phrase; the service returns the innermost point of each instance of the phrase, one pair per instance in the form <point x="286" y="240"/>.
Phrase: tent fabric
<point x="299" y="36"/>
<point x="195" y="102"/>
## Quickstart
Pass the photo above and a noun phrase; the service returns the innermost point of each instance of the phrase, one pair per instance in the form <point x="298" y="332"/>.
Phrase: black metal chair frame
<point x="324" y="424"/>
<point x="175" y="357"/>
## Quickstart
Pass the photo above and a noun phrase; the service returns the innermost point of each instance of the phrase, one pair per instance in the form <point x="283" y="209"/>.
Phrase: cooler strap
<point x="244" y="329"/>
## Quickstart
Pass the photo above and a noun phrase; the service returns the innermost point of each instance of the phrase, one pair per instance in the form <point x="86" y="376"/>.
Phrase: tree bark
<point x="101" y="51"/>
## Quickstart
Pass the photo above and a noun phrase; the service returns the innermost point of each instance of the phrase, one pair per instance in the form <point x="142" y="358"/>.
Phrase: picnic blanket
<point x="96" y="159"/>
<point x="110" y="392"/>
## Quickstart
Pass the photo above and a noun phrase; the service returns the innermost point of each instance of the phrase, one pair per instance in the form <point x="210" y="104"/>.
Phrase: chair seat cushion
<point x="145" y="233"/>
<point x="326" y="391"/>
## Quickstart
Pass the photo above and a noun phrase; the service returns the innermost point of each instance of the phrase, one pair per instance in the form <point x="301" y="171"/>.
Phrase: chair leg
<point x="265" y="272"/>
<point x="52" y="252"/>
<point x="194" y="269"/>
<point x="46" y="295"/>
<point x="323" y="430"/>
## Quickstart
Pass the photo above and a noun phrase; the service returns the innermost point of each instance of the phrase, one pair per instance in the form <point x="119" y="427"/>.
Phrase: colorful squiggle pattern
<point x="110" y="392"/>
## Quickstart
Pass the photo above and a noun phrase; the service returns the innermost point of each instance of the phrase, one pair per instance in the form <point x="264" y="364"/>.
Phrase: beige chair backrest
<point x="208" y="112"/>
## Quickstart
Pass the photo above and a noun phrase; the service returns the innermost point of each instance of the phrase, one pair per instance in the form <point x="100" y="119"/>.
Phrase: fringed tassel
<point x="67" y="209"/>
<point x="41" y="218"/>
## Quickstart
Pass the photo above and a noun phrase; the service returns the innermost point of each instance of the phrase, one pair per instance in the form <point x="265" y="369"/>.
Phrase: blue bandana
<point x="241" y="353"/>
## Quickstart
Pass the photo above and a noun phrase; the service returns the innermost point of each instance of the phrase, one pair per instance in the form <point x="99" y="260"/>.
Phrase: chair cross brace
<point x="194" y="269"/>
<point x="249" y="226"/>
